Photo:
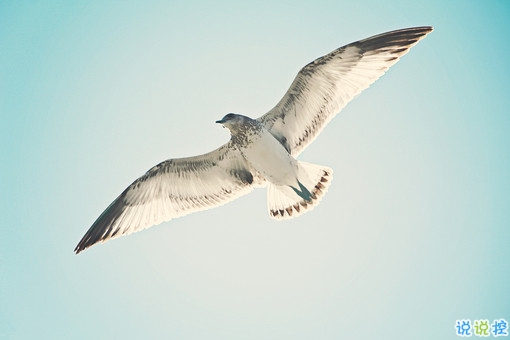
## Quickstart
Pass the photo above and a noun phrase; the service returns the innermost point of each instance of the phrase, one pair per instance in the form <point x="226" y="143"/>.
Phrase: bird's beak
<point x="221" y="121"/>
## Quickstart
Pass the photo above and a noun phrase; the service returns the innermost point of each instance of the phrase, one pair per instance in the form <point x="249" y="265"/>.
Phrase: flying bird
<point x="261" y="152"/>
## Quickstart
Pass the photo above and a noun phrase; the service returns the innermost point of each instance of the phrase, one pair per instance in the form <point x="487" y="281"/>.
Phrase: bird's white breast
<point x="270" y="158"/>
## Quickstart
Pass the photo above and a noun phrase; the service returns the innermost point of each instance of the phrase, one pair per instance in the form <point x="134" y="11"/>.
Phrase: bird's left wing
<point x="323" y="87"/>
<point x="175" y="188"/>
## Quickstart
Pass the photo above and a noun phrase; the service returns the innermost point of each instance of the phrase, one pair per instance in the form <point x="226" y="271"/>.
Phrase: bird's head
<point x="232" y="121"/>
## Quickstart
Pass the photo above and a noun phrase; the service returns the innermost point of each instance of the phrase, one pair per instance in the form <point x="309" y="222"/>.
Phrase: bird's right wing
<point x="323" y="87"/>
<point x="174" y="188"/>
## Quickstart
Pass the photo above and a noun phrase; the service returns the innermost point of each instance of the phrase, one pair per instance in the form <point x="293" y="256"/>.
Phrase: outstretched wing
<point x="323" y="87"/>
<point x="174" y="188"/>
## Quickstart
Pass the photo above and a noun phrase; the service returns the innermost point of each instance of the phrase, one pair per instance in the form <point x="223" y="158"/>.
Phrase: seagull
<point x="261" y="152"/>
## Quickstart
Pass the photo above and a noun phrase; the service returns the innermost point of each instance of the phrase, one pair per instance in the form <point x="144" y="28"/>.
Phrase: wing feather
<point x="175" y="188"/>
<point x="323" y="87"/>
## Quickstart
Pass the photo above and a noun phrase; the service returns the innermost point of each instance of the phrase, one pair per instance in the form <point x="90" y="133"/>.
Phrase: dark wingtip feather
<point x="405" y="38"/>
<point x="101" y="230"/>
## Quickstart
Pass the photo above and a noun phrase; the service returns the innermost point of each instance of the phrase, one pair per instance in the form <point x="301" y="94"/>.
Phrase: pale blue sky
<point x="412" y="235"/>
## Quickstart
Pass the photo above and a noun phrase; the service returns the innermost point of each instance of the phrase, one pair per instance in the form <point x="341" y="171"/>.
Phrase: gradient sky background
<point x="412" y="235"/>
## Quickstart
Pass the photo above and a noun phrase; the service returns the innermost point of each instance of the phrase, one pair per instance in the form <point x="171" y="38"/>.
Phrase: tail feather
<point x="286" y="202"/>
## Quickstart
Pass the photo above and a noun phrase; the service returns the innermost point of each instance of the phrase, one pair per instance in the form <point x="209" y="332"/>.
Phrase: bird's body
<point x="270" y="159"/>
<point x="261" y="152"/>
<point x="264" y="152"/>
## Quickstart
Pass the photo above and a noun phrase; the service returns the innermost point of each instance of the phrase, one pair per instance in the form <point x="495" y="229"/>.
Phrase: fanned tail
<point x="286" y="202"/>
